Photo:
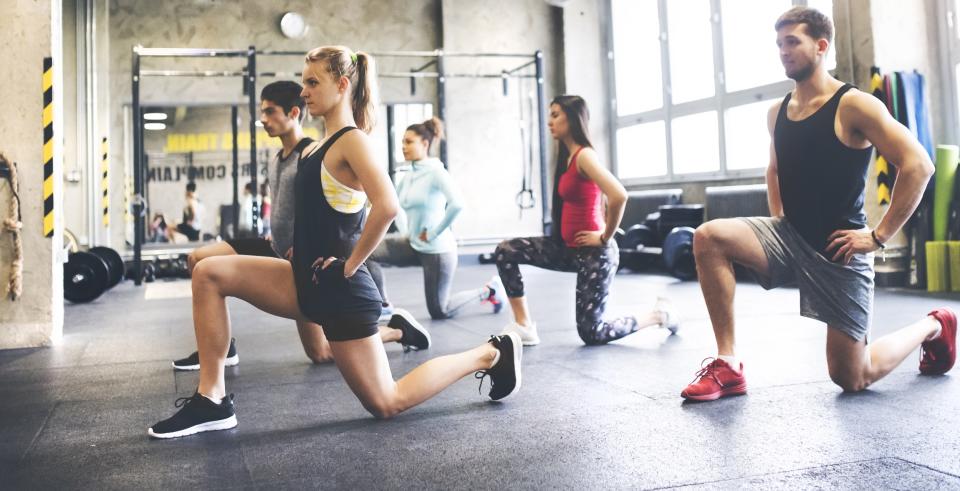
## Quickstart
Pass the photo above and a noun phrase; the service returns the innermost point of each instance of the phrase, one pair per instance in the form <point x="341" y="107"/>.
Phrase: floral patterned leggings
<point x="595" y="268"/>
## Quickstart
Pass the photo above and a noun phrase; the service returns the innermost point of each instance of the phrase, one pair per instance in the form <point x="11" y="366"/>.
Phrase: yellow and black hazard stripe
<point x="48" y="147"/>
<point x="885" y="172"/>
<point x="105" y="182"/>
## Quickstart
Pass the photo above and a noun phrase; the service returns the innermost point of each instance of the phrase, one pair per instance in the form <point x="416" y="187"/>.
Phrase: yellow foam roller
<point x="938" y="270"/>
<point x="953" y="249"/>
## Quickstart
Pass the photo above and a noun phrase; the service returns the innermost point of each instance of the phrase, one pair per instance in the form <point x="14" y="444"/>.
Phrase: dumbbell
<point x="678" y="253"/>
<point x="86" y="275"/>
<point x="637" y="248"/>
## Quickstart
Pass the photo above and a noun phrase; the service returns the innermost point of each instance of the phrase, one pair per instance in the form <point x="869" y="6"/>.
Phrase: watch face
<point x="293" y="25"/>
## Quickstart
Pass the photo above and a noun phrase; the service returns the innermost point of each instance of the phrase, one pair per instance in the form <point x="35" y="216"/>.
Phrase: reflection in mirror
<point x="191" y="190"/>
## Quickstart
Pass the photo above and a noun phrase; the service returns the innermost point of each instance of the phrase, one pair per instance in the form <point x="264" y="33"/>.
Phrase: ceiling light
<point x="155" y="116"/>
<point x="154" y="126"/>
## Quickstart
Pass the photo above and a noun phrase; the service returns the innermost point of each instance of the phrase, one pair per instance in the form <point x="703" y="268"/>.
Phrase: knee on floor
<point x="849" y="383"/>
<point x="382" y="409"/>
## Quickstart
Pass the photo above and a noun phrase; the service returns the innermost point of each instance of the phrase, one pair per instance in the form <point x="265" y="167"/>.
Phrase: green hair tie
<point x="353" y="58"/>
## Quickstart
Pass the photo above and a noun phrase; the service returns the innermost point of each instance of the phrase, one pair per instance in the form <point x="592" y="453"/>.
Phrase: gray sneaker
<point x="670" y="320"/>
<point x="528" y="334"/>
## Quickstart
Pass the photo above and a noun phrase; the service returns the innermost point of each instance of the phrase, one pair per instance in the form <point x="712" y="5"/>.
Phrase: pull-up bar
<point x="249" y="76"/>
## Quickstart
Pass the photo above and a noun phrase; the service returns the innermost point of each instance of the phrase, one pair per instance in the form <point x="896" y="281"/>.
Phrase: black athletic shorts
<point x="191" y="233"/>
<point x="253" y="247"/>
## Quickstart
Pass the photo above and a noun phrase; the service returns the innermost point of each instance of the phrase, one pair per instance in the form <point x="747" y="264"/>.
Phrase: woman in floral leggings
<point x="581" y="237"/>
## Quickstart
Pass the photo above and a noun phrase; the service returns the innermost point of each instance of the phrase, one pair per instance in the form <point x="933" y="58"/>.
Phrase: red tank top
<point x="581" y="203"/>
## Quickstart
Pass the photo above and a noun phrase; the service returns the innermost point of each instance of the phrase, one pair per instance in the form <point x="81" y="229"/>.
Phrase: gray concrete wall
<point x="484" y="136"/>
<point x="584" y="54"/>
<point x="31" y="31"/>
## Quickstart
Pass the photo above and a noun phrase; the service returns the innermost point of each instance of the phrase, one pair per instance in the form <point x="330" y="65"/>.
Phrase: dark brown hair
<point x="578" y="120"/>
<point x="817" y="25"/>
<point x="430" y="130"/>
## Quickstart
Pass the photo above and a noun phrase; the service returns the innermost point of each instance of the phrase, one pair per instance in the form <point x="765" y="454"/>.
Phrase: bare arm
<point x="611" y="188"/>
<point x="868" y="116"/>
<point x="863" y="114"/>
<point x="359" y="155"/>
<point x="773" y="179"/>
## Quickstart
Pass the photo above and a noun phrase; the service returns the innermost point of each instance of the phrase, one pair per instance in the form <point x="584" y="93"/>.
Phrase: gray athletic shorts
<point x="839" y="295"/>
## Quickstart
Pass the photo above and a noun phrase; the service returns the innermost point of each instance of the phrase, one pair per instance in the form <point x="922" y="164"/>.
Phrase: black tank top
<point x="321" y="231"/>
<point x="821" y="179"/>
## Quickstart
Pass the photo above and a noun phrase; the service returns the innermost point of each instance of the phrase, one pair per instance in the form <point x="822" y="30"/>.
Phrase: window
<point x="693" y="82"/>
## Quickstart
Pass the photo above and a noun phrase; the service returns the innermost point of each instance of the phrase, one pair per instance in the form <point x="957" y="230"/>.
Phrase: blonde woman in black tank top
<point x="328" y="282"/>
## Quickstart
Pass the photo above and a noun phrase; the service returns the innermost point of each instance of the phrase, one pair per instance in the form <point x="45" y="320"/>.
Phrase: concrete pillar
<point x="32" y="31"/>
<point x="585" y="51"/>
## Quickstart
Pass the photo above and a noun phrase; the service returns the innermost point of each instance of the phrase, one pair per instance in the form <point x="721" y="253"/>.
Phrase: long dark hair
<point x="578" y="120"/>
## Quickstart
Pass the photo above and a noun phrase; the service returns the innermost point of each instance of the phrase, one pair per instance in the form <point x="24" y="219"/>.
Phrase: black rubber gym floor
<point x="75" y="415"/>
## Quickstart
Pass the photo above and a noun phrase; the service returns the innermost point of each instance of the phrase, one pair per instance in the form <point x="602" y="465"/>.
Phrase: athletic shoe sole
<point x="229" y="362"/>
<point x="517" y="357"/>
<point x="412" y="323"/>
<point x="735" y="390"/>
<point x="223" y="424"/>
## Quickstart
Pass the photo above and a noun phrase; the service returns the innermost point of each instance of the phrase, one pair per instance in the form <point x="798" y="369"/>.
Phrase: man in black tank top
<point x="822" y="135"/>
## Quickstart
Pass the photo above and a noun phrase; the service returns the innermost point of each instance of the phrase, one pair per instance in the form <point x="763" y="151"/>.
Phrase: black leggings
<point x="595" y="268"/>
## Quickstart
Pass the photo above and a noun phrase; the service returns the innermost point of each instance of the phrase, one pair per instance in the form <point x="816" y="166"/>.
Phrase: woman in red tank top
<point x="580" y="240"/>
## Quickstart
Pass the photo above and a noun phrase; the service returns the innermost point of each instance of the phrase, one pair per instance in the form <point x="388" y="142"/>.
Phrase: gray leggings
<point x="438" y="271"/>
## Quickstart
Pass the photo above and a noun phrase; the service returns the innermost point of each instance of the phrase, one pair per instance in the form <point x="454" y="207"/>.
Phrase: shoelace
<point x="482" y="374"/>
<point x="707" y="370"/>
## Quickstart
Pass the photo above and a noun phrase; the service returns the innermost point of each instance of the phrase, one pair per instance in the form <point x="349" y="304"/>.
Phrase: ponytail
<point x="430" y="130"/>
<point x="360" y="69"/>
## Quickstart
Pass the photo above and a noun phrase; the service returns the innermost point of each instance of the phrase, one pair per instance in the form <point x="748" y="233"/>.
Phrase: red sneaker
<point x="938" y="355"/>
<point x="715" y="380"/>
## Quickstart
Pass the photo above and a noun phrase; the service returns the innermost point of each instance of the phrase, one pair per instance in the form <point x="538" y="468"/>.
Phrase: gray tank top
<point x="282" y="173"/>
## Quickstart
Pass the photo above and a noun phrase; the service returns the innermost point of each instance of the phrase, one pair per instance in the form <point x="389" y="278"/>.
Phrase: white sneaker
<point x="670" y="318"/>
<point x="528" y="334"/>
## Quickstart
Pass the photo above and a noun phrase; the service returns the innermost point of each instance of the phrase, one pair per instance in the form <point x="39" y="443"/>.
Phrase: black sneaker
<point x="505" y="375"/>
<point x="192" y="362"/>
<point x="197" y="414"/>
<point x="415" y="336"/>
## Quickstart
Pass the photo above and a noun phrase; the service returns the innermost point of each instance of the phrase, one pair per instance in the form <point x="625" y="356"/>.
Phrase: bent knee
<point x="706" y="237"/>
<point x="382" y="409"/>
<point x="850" y="383"/>
<point x="319" y="355"/>
<point x="210" y="270"/>
<point x="591" y="338"/>
<point x="502" y="248"/>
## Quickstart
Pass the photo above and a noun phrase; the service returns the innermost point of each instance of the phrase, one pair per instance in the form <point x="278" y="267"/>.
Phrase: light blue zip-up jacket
<point x="429" y="199"/>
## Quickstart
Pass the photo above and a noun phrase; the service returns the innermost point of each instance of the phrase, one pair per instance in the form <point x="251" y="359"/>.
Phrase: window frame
<point x="720" y="102"/>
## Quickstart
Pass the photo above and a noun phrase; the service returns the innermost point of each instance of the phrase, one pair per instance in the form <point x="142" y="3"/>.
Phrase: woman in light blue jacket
<point x="430" y="200"/>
